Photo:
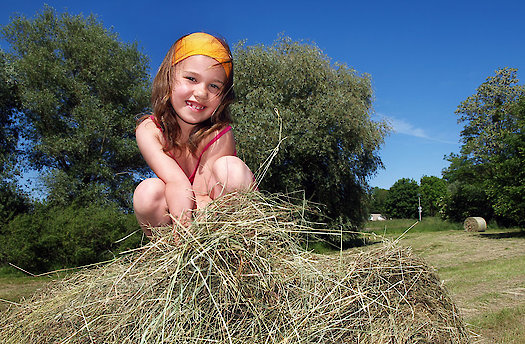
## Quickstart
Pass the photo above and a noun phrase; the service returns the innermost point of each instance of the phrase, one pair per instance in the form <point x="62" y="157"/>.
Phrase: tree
<point x="8" y="131"/>
<point x="432" y="189"/>
<point x="507" y="187"/>
<point x="80" y="89"/>
<point x="402" y="199"/>
<point x="491" y="161"/>
<point x="378" y="198"/>
<point x="49" y="238"/>
<point x="12" y="200"/>
<point x="330" y="144"/>
<point x="464" y="200"/>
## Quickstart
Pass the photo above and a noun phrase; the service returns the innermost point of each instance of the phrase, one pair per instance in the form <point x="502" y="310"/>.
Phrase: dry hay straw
<point x="239" y="275"/>
<point x="475" y="224"/>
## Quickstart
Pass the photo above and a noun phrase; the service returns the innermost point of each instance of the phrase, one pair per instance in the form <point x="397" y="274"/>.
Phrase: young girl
<point x="188" y="141"/>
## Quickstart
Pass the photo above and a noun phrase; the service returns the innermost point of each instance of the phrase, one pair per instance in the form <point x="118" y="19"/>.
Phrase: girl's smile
<point x="196" y="91"/>
<point x="195" y="106"/>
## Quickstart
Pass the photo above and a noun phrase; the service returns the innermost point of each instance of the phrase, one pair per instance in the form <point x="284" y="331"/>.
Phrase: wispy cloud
<point x="401" y="126"/>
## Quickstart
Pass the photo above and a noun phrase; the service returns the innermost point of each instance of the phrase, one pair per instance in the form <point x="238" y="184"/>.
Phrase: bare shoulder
<point x="147" y="125"/>
<point x="147" y="133"/>
<point x="148" y="128"/>
<point x="220" y="142"/>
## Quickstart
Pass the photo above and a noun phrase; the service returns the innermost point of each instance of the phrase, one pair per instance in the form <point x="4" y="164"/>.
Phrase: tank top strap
<point x="154" y="120"/>
<point x="212" y="141"/>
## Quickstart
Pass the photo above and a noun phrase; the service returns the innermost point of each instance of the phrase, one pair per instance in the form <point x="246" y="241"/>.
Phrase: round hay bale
<point x="475" y="224"/>
<point x="239" y="275"/>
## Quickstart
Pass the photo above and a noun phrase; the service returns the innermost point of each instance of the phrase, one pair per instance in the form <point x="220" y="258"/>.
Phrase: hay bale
<point x="239" y="275"/>
<point x="475" y="224"/>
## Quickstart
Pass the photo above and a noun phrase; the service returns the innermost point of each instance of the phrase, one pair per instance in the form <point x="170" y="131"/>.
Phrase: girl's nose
<point x="200" y="91"/>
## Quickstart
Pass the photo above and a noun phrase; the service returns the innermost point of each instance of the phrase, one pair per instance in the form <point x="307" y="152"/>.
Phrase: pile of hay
<point x="475" y="224"/>
<point x="239" y="275"/>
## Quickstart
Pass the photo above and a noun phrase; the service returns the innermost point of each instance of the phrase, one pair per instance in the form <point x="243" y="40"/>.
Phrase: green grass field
<point x="484" y="273"/>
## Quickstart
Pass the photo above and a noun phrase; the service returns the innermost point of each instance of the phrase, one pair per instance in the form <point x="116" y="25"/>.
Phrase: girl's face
<point x="196" y="90"/>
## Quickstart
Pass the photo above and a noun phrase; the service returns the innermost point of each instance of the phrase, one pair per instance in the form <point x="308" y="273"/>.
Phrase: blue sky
<point x="424" y="57"/>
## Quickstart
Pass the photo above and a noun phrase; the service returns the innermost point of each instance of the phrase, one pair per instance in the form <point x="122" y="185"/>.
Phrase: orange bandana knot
<point x="201" y="43"/>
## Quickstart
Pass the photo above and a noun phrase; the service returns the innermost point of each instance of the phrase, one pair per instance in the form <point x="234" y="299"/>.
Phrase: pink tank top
<point x="218" y="136"/>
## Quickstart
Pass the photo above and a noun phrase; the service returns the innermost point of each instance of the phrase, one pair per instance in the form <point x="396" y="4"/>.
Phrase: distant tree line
<point x="487" y="177"/>
<point x="70" y="92"/>
<point x="403" y="199"/>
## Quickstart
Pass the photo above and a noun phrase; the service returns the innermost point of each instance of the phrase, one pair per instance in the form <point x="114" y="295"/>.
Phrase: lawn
<point x="484" y="273"/>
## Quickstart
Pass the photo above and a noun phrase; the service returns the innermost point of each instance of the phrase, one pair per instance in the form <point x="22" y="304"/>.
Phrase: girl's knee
<point x="149" y="195"/>
<point x="232" y="173"/>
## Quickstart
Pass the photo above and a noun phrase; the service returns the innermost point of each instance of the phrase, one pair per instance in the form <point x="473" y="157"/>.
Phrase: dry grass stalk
<point x="239" y="275"/>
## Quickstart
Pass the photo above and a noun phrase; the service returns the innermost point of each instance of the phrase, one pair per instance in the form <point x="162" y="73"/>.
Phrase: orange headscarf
<point x="201" y="43"/>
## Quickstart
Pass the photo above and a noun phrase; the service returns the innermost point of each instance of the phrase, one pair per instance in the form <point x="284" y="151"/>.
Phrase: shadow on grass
<point x="504" y="235"/>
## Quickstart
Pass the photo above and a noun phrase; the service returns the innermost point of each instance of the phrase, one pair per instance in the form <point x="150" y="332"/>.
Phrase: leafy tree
<point x="466" y="195"/>
<point x="464" y="200"/>
<point x="12" y="202"/>
<point x="402" y="199"/>
<point x="80" y="89"/>
<point x="378" y="198"/>
<point x="8" y="131"/>
<point x="432" y="189"/>
<point x="330" y="144"/>
<point x="491" y="162"/>
<point x="58" y="237"/>
<point x="507" y="187"/>
<point x="488" y="117"/>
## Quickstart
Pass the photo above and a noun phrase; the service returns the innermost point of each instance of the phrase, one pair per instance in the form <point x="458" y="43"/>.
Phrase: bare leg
<point x="149" y="203"/>
<point x="231" y="174"/>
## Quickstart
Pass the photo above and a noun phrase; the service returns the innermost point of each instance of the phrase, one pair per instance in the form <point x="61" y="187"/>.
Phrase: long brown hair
<point x="166" y="117"/>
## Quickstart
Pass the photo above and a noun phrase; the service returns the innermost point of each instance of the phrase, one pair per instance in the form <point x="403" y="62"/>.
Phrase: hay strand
<point x="239" y="274"/>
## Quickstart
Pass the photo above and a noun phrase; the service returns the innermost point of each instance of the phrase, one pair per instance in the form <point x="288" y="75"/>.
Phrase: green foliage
<point x="12" y="202"/>
<point x="507" y="186"/>
<point x="330" y="144"/>
<point x="488" y="117"/>
<point x="402" y="199"/>
<point x="378" y="198"/>
<point x="80" y="89"/>
<point x="466" y="195"/>
<point x="8" y="132"/>
<point x="487" y="178"/>
<point x="53" y="237"/>
<point x="433" y="190"/>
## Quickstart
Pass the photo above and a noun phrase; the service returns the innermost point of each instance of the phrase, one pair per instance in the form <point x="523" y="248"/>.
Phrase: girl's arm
<point x="179" y="195"/>
<point x="205" y="181"/>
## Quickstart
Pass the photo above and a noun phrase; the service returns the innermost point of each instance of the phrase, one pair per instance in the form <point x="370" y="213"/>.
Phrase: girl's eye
<point x="214" y="88"/>
<point x="190" y="78"/>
